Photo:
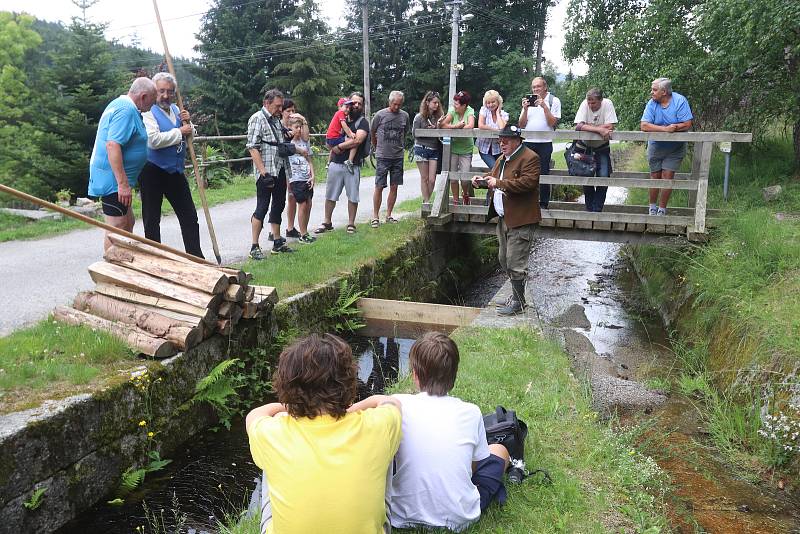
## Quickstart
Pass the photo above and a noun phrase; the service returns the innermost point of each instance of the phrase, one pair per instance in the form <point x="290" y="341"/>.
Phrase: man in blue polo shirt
<point x="120" y="152"/>
<point x="666" y="111"/>
<point x="163" y="176"/>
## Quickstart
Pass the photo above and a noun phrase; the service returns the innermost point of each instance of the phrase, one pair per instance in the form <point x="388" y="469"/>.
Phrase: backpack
<point x="581" y="160"/>
<point x="502" y="426"/>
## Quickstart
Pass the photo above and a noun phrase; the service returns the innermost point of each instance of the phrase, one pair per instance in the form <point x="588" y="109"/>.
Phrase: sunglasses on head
<point x="432" y="95"/>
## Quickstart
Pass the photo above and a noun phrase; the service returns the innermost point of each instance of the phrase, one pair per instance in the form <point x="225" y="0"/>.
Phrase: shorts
<point x="392" y="167"/>
<point x="302" y="191"/>
<point x="424" y="153"/>
<point x="112" y="206"/>
<point x="488" y="478"/>
<point x="340" y="178"/>
<point x="665" y="158"/>
<point x="335" y="141"/>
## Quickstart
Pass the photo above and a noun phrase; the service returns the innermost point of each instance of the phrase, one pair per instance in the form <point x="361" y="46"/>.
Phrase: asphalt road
<point x="37" y="275"/>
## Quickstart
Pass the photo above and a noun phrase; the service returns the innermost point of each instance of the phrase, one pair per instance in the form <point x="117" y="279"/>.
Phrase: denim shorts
<point x="424" y="153"/>
<point x="335" y="141"/>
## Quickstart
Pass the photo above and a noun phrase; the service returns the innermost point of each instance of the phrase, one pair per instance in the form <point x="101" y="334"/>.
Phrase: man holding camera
<point x="514" y="198"/>
<point x="265" y="144"/>
<point x="540" y="113"/>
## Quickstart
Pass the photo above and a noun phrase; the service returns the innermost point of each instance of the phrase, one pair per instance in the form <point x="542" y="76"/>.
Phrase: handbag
<point x="502" y="426"/>
<point x="580" y="160"/>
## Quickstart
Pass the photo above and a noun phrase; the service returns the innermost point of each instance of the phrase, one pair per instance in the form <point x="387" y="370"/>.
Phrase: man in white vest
<point x="163" y="175"/>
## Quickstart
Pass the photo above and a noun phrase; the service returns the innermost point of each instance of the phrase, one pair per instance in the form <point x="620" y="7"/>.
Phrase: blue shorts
<point x="333" y="142"/>
<point x="424" y="153"/>
<point x="488" y="478"/>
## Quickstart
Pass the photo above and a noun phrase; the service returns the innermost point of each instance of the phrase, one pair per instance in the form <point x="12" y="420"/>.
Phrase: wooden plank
<point x="440" y="220"/>
<point x="618" y="135"/>
<point x="617" y="217"/>
<point x="440" y="203"/>
<point x="702" y="191"/>
<point x="466" y="175"/>
<point x="472" y="209"/>
<point x="644" y="183"/>
<point x="565" y="223"/>
<point x="633" y="208"/>
<point x="618" y="226"/>
<point x="656" y="229"/>
<point x="583" y="225"/>
<point x="417" y="312"/>
<point x="136" y="338"/>
<point x="121" y="276"/>
<point x="636" y="227"/>
<point x="601" y="225"/>
<point x="673" y="229"/>
<point x="158" y="302"/>
<point x="547" y="221"/>
<point x="460" y="217"/>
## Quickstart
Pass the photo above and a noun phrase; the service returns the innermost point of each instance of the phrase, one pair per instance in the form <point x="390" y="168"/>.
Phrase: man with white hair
<point x="163" y="174"/>
<point x="120" y="152"/>
<point x="388" y="132"/>
<point x="666" y="111"/>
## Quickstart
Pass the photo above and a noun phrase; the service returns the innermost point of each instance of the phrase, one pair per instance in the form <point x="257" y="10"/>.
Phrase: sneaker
<point x="293" y="233"/>
<point x="516" y="471"/>
<point x="306" y="239"/>
<point x="653" y="211"/>
<point x="256" y="254"/>
<point x="661" y="212"/>
<point x="280" y="247"/>
<point x="349" y="165"/>
<point x="271" y="237"/>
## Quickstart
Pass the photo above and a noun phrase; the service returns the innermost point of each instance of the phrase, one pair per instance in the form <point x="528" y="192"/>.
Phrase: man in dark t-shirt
<point x="338" y="176"/>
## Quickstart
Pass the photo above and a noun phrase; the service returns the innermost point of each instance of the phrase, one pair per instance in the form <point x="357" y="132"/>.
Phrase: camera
<point x="532" y="99"/>
<point x="482" y="183"/>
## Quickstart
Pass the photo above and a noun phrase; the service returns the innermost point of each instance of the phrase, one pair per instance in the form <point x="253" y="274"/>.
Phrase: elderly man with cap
<point x="163" y="176"/>
<point x="120" y="152"/>
<point x="514" y="198"/>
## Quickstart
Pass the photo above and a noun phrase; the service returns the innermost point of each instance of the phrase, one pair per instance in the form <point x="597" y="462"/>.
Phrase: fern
<point x="156" y="462"/>
<point x="131" y="479"/>
<point x="218" y="388"/>
<point x="216" y="374"/>
<point x="344" y="311"/>
<point x="36" y="499"/>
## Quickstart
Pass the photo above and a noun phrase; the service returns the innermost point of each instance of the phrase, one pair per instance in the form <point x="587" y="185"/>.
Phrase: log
<point x="224" y="327"/>
<point x="249" y="292"/>
<point x="183" y="335"/>
<point x="268" y="294"/>
<point x="134" y="337"/>
<point x="208" y="280"/>
<point x="114" y="274"/>
<point x="163" y="304"/>
<point x="234" y="293"/>
<point x="230" y="310"/>
<point x="250" y="310"/>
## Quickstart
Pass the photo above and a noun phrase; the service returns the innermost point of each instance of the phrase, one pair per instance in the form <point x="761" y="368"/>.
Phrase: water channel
<point x="212" y="474"/>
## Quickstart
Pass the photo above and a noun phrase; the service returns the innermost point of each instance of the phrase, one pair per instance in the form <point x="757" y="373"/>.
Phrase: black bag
<point x="580" y="160"/>
<point x="267" y="180"/>
<point x="502" y="426"/>
<point x="284" y="149"/>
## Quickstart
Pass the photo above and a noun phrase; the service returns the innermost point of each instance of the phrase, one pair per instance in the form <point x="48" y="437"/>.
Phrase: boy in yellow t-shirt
<point x="325" y="468"/>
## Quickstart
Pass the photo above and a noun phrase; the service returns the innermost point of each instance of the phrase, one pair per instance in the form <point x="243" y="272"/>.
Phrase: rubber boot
<point x="517" y="303"/>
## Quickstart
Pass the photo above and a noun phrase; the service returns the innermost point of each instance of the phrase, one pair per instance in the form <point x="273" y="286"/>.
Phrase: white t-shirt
<point x="537" y="122"/>
<point x="605" y="115"/>
<point x="432" y="483"/>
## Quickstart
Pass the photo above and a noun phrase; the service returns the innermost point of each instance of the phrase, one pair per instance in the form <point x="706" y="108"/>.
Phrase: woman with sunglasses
<point x="460" y="116"/>
<point x="427" y="150"/>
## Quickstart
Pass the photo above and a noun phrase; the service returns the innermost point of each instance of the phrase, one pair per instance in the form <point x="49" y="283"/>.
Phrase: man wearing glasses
<point x="163" y="176"/>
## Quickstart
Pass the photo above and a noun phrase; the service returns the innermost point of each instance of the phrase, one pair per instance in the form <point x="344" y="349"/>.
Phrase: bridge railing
<point x="691" y="220"/>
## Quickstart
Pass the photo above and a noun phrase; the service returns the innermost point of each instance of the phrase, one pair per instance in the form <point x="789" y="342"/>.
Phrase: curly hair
<point x="434" y="360"/>
<point x="315" y="376"/>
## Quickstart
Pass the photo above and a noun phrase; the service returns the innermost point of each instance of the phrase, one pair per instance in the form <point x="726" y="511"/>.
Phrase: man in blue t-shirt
<point x="665" y="112"/>
<point x="120" y="152"/>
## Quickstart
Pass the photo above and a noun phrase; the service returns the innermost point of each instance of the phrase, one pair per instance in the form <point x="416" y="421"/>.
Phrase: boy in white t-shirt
<point x="445" y="473"/>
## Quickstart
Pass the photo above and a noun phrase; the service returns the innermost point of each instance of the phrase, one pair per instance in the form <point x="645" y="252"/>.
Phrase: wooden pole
<point x="107" y="227"/>
<point x="189" y="143"/>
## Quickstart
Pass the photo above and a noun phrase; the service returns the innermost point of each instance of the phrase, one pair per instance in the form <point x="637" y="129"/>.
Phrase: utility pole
<point x="454" y="67"/>
<point x="365" y="42"/>
<point x="540" y="37"/>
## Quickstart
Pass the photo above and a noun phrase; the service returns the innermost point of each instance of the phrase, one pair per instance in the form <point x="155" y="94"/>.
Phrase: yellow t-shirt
<point x="327" y="475"/>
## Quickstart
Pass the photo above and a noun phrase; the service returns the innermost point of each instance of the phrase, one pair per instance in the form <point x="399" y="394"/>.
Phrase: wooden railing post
<point x="441" y="190"/>
<point x="692" y="195"/>
<point x="703" y="157"/>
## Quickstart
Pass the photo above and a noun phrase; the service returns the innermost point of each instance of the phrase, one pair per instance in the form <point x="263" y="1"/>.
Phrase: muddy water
<point x="707" y="496"/>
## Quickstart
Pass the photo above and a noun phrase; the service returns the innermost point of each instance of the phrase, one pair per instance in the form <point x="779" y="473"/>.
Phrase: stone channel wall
<point x="77" y="448"/>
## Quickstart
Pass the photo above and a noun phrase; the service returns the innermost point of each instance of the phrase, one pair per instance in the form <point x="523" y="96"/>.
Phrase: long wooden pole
<point x="201" y="190"/>
<point x="93" y="222"/>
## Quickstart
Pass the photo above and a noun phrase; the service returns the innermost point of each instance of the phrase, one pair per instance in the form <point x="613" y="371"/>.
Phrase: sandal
<point x="324" y="227"/>
<point x="374" y="223"/>
<point x="351" y="228"/>
<point x="391" y="220"/>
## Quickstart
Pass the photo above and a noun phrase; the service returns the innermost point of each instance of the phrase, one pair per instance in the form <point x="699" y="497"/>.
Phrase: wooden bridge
<point x="567" y="220"/>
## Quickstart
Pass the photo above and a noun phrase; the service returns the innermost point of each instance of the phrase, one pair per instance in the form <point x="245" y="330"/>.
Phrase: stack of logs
<point x="158" y="302"/>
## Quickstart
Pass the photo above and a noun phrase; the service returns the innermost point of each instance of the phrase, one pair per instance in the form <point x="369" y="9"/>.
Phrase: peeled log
<point x="249" y="310"/>
<point x="234" y="293"/>
<point x="249" y="293"/>
<point x="230" y="310"/>
<point x="162" y="304"/>
<point x="265" y="295"/>
<point x="135" y="338"/>
<point x="183" y="335"/>
<point x="193" y="276"/>
<point x="109" y="273"/>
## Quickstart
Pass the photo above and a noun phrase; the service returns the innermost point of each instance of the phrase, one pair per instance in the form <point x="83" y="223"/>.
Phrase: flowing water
<point x="212" y="474"/>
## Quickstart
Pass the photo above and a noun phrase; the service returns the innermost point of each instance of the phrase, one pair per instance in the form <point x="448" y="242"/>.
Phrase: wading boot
<point x="517" y="303"/>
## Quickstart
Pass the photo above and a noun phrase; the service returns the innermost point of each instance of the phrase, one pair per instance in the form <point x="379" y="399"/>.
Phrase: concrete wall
<point x="78" y="447"/>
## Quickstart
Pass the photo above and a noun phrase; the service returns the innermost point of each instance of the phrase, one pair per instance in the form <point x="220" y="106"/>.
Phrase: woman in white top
<point x="491" y="117"/>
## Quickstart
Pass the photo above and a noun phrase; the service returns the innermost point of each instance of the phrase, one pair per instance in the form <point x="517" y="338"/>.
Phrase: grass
<point x="738" y="342"/>
<point x="14" y="227"/>
<point x="333" y="254"/>
<point x="601" y="483"/>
